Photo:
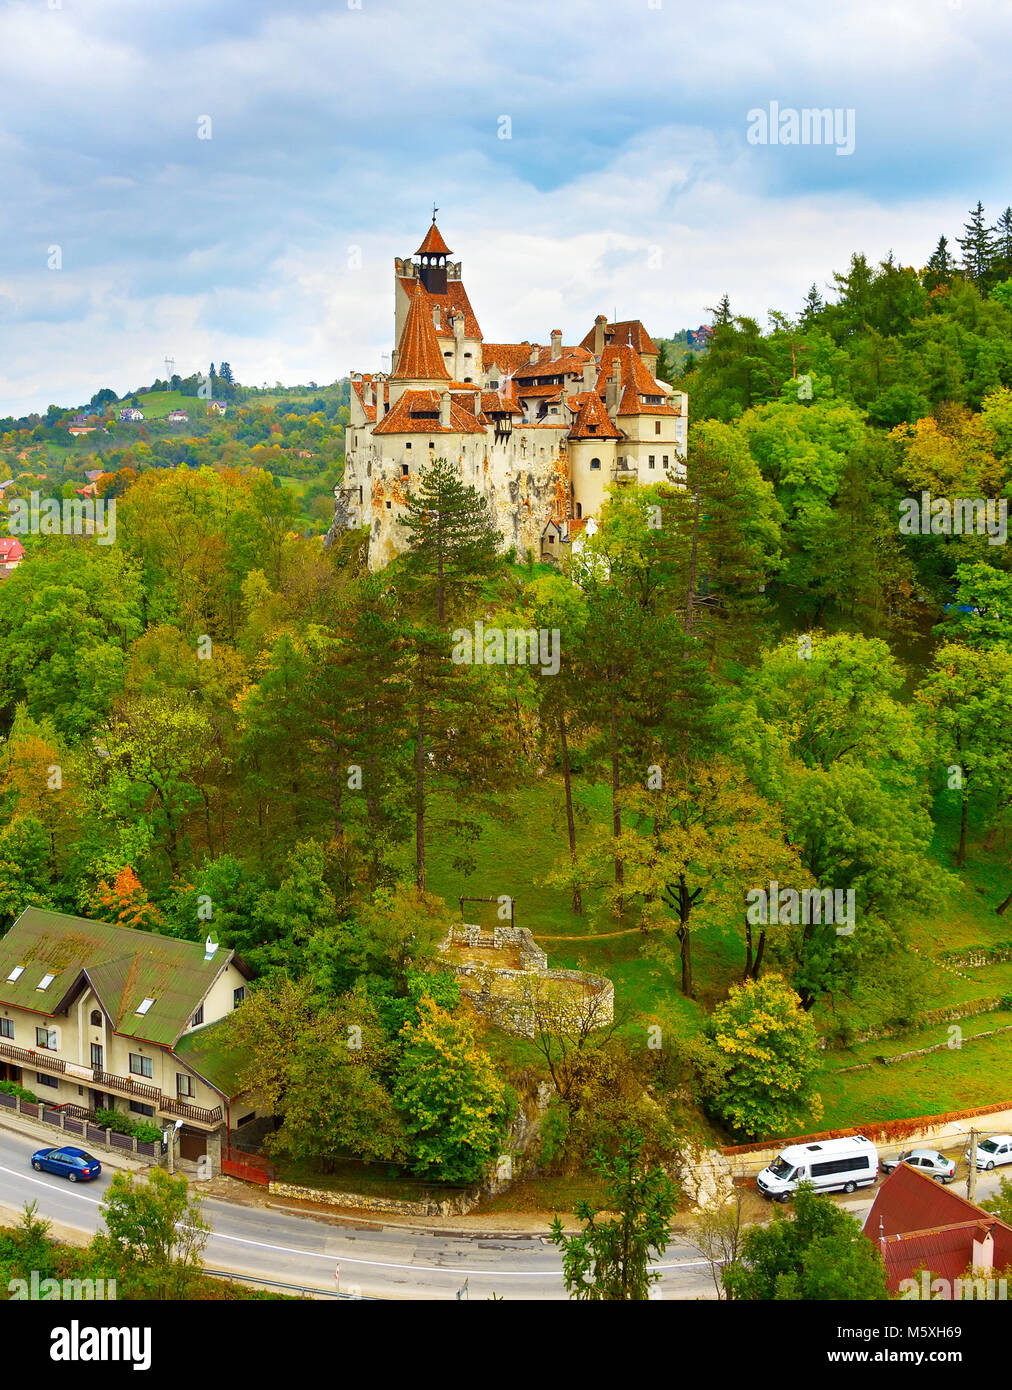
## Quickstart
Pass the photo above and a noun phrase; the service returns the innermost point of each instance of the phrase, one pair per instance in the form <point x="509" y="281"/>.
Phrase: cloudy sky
<point x="628" y="182"/>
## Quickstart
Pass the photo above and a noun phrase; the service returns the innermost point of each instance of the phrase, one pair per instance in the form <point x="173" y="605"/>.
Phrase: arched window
<point x="96" y="1018"/>
<point x="595" y="463"/>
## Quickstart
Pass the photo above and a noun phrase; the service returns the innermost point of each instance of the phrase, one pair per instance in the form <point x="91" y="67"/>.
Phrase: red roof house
<point x="12" y="552"/>
<point x="920" y="1225"/>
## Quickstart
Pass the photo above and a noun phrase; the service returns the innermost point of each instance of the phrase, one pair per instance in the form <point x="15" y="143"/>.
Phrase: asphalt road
<point x="376" y="1260"/>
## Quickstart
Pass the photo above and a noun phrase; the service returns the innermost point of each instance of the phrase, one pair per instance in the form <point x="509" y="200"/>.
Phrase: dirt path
<point x="596" y="936"/>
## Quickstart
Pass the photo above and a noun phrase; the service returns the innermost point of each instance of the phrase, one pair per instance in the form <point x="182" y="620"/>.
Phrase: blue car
<point x="73" y="1164"/>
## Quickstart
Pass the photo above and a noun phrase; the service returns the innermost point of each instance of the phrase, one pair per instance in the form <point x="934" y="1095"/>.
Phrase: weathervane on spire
<point x="434" y="211"/>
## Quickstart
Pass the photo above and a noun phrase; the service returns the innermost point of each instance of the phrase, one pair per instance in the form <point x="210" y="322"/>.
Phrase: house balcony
<point x="40" y="1059"/>
<point x="150" y="1095"/>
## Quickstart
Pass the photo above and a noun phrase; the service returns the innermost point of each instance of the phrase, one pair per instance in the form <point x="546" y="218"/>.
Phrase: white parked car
<point x="927" y="1161"/>
<point x="993" y="1151"/>
<point x="829" y="1165"/>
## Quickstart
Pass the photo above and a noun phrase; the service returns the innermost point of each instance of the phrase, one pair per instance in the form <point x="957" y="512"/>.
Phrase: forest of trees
<point x="762" y="678"/>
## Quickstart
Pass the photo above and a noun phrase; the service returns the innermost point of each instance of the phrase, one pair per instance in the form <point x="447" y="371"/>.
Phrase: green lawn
<point x="157" y="404"/>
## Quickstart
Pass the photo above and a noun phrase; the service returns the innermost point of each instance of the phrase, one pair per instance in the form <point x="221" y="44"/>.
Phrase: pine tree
<point x="665" y="366"/>
<point x="813" y="305"/>
<point x="722" y="315"/>
<point x="977" y="246"/>
<point x="940" y="267"/>
<point x="452" y="543"/>
<point x="1003" y="245"/>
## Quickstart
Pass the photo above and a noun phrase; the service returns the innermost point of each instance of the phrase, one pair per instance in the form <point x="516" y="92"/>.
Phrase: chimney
<point x="457" y="320"/>
<point x="983" y="1248"/>
<point x="535" y="354"/>
<point x="613" y="390"/>
<point x="556" y="344"/>
<point x="444" y="409"/>
<point x="589" y="375"/>
<point x="477" y="404"/>
<point x="435" y="316"/>
<point x="599" y="324"/>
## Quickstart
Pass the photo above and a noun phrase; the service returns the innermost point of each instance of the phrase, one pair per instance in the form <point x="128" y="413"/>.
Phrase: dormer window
<point x="45" y="982"/>
<point x="144" y="1005"/>
<point x="16" y="973"/>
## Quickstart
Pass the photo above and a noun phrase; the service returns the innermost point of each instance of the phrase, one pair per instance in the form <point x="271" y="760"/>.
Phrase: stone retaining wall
<point x="938" y="1130"/>
<point x="950" y="1014"/>
<point x="458" y="1205"/>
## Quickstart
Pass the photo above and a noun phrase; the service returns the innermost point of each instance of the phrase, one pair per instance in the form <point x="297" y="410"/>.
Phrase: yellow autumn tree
<point x="769" y="1047"/>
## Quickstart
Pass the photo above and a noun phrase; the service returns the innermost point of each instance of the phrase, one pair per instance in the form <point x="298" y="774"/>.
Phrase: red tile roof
<point x="454" y="298"/>
<point x="633" y="371"/>
<point x="495" y="403"/>
<point x="433" y="245"/>
<point x="10" y="549"/>
<point x="417" y="412"/>
<point x="569" y="363"/>
<point x="419" y="356"/>
<point x="628" y="331"/>
<point x="927" y="1226"/>
<point x="632" y="404"/>
<point x="359" y="387"/>
<point x="592" y="420"/>
<point x="547" y="392"/>
<point x="508" y="357"/>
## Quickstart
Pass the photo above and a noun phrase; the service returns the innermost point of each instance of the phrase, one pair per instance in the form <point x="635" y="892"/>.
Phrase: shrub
<point x="11" y="1088"/>
<point x="144" y="1130"/>
<point x="112" y="1119"/>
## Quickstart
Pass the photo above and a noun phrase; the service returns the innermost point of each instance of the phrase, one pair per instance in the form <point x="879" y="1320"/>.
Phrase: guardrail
<point x="303" y="1289"/>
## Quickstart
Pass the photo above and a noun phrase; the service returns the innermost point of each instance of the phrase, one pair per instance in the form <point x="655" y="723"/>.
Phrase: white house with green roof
<point x="107" y="1017"/>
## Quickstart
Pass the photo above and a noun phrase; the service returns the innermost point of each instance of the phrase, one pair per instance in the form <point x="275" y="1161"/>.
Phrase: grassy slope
<point x="515" y="857"/>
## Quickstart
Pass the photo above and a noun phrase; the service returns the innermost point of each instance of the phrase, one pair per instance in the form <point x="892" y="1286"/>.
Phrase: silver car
<point x="927" y="1161"/>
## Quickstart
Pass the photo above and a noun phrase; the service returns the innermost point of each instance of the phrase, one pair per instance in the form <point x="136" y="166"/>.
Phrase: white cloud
<point x="335" y="127"/>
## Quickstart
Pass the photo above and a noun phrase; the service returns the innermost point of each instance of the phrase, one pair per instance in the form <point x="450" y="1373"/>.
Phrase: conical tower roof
<point x="419" y="356"/>
<point x="433" y="245"/>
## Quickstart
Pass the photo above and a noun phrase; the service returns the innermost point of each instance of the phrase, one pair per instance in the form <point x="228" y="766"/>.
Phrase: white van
<point x="830" y="1164"/>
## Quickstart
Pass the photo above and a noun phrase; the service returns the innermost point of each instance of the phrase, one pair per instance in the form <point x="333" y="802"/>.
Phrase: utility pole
<point x="971" y="1177"/>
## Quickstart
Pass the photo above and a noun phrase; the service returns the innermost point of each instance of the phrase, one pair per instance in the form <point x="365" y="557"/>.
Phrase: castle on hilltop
<point x="542" y="432"/>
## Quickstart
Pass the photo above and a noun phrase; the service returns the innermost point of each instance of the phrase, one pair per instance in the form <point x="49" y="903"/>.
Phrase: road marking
<point x="425" y="1269"/>
<point x="50" y="1186"/>
<point x="348" y="1259"/>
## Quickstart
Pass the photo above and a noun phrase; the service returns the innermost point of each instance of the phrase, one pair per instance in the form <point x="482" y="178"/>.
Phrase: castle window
<point x="664" y="460"/>
<point x="651" y="460"/>
<point x="657" y="427"/>
<point x="468" y="354"/>
<point x="408" y="444"/>
<point x="404" y="470"/>
<point x="595" y="463"/>
<point x="388" y="506"/>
